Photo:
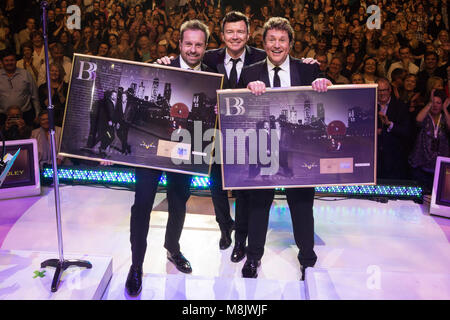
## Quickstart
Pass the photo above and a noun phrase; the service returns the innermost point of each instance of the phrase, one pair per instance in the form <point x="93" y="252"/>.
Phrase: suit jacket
<point x="105" y="114"/>
<point x="123" y="116"/>
<point x="392" y="151"/>
<point x="302" y="74"/>
<point x="215" y="59"/>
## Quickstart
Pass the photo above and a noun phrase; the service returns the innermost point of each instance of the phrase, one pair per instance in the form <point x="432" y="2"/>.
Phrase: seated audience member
<point x="125" y="50"/>
<point x="350" y="65"/>
<point x="410" y="95"/>
<point x="383" y="62"/>
<point x="59" y="92"/>
<point x="334" y="72"/>
<point x="406" y="62"/>
<point x="42" y="136"/>
<point x="398" y="76"/>
<point x="143" y="49"/>
<point x="103" y="50"/>
<point x="297" y="50"/>
<point x="89" y="44"/>
<point x="37" y="39"/>
<point x="24" y="35"/>
<point x="65" y="40"/>
<point x="433" y="82"/>
<point x="431" y="69"/>
<point x="15" y="127"/>
<point x="393" y="132"/>
<point x="17" y="88"/>
<point x="357" y="78"/>
<point x="433" y="139"/>
<point x="56" y="56"/>
<point x="369" y="69"/>
<point x="415" y="103"/>
<point x="323" y="62"/>
<point x="77" y="44"/>
<point x="27" y="60"/>
<point x="113" y="42"/>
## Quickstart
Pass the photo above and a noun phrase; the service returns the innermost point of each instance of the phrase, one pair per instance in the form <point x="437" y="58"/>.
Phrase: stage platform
<point x="365" y="249"/>
<point x="22" y="278"/>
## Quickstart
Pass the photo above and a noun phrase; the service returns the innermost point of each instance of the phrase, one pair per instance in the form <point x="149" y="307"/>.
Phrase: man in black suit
<point x="280" y="70"/>
<point x="122" y="120"/>
<point x="284" y="144"/>
<point x="393" y="133"/>
<point x="229" y="61"/>
<point x="105" y="122"/>
<point x="193" y="40"/>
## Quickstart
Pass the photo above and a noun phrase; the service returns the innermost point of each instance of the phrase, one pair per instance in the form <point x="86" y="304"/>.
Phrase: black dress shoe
<point x="238" y="252"/>
<point x="225" y="238"/>
<point x="134" y="281"/>
<point x="303" y="271"/>
<point x="180" y="262"/>
<point x="250" y="269"/>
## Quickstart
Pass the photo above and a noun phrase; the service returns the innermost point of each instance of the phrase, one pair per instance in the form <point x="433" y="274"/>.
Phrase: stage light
<point x="125" y="177"/>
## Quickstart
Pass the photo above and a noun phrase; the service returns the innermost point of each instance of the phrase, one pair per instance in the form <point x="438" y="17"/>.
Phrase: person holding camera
<point x="15" y="127"/>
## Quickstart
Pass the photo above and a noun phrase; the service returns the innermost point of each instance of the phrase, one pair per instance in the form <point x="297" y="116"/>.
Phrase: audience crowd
<point x="407" y="56"/>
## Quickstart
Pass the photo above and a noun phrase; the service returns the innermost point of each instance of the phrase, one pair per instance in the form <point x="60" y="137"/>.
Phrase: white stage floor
<point x="366" y="250"/>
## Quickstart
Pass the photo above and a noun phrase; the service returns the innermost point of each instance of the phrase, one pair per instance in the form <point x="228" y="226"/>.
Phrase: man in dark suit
<point x="393" y="133"/>
<point x="284" y="144"/>
<point x="229" y="61"/>
<point x="193" y="40"/>
<point x="280" y="70"/>
<point x="105" y="122"/>
<point x="122" y="120"/>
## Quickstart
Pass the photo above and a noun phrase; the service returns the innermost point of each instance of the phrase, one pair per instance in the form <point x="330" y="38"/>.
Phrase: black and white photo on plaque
<point x="128" y="113"/>
<point x="294" y="137"/>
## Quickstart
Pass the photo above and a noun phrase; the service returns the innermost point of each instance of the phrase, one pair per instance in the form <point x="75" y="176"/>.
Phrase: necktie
<point x="276" y="78"/>
<point x="233" y="73"/>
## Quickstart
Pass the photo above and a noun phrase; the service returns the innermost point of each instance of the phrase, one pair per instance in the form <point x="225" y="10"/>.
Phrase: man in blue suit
<point x="280" y="70"/>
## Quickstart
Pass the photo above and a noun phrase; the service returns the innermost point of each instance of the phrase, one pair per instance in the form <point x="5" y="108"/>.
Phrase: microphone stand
<point x="60" y="264"/>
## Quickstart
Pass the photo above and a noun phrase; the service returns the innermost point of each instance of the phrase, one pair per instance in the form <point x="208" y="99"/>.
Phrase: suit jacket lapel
<point x="248" y="52"/>
<point x="295" y="74"/>
<point x="203" y="67"/>
<point x="264" y="76"/>
<point x="176" y="62"/>
<point x="221" y="69"/>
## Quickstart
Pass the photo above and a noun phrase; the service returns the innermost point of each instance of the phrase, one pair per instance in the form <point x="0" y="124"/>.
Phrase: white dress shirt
<point x="184" y="65"/>
<point x="229" y="64"/>
<point x="284" y="73"/>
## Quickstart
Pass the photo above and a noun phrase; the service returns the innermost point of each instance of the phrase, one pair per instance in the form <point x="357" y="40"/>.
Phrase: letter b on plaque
<point x="237" y="104"/>
<point x="87" y="70"/>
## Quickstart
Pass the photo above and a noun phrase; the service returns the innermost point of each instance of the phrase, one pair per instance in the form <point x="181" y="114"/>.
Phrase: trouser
<point x="242" y="215"/>
<point x="177" y="195"/>
<point x="220" y="199"/>
<point x="300" y="201"/>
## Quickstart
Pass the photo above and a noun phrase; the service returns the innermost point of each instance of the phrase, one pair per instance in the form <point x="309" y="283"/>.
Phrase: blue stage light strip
<point x="126" y="177"/>
<point x="377" y="190"/>
<point x="112" y="177"/>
